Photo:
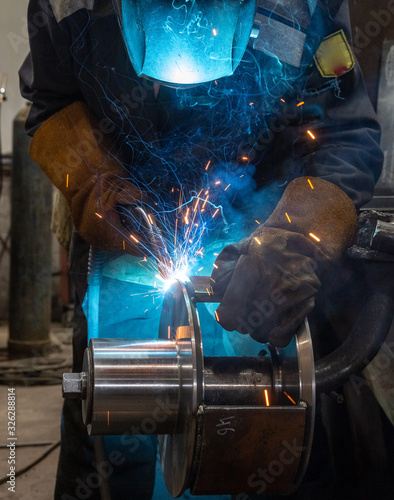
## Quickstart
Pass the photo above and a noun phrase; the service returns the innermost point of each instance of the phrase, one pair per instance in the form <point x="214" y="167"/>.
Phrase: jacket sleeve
<point x="338" y="112"/>
<point x="47" y="77"/>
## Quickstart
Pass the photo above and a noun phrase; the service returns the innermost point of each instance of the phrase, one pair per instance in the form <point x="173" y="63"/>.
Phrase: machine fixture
<point x="224" y="423"/>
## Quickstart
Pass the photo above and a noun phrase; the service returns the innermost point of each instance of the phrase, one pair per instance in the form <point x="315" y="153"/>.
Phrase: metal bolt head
<point x="74" y="385"/>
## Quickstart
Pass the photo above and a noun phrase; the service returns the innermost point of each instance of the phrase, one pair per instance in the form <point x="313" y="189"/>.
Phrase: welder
<point x="139" y="104"/>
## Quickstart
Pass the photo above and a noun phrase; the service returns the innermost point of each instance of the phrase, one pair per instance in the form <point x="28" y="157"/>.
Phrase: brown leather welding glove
<point x="73" y="152"/>
<point x="270" y="279"/>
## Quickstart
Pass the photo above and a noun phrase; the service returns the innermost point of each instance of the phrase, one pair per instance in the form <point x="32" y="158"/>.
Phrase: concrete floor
<point x="38" y="410"/>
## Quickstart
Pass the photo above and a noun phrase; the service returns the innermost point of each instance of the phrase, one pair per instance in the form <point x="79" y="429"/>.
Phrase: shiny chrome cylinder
<point x="136" y="386"/>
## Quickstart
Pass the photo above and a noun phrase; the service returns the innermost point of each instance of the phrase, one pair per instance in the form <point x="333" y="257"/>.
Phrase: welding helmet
<point x="185" y="41"/>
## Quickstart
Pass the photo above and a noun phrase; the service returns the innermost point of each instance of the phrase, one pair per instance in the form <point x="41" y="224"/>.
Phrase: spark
<point x="107" y="417"/>
<point x="283" y="100"/>
<point x="291" y="399"/>
<point x="212" y="280"/>
<point x="227" y="187"/>
<point x="124" y="245"/>
<point x="201" y="268"/>
<point x="98" y="215"/>
<point x="215" y="266"/>
<point x="205" y="201"/>
<point x="251" y="103"/>
<point x="314" y="236"/>
<point x="207" y="291"/>
<point x="134" y="238"/>
<point x="300" y="103"/>
<point x="245" y="158"/>
<point x="310" y="133"/>
<point x="217" y="316"/>
<point x="217" y="182"/>
<point x="150" y="219"/>
<point x="216" y="211"/>
<point x="67" y="180"/>
<point x="257" y="240"/>
<point x="288" y="218"/>
<point x="267" y="401"/>
<point x="257" y="221"/>
<point x="310" y="183"/>
<point x="214" y="32"/>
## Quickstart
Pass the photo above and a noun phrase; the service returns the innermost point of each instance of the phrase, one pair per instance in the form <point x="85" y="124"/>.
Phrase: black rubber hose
<point x="368" y="334"/>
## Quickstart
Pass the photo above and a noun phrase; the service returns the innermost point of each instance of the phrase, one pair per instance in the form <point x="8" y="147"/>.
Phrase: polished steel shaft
<point x="137" y="386"/>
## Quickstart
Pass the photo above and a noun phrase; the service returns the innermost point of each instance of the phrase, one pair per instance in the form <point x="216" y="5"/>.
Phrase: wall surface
<point x="14" y="47"/>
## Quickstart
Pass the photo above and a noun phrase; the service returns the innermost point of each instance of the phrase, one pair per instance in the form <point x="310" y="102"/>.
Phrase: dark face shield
<point x="185" y="41"/>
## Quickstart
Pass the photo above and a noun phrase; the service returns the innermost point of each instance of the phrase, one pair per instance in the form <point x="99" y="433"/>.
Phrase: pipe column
<point x="31" y="249"/>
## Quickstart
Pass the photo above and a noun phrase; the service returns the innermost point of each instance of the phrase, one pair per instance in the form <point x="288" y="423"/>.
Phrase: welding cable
<point x="101" y="457"/>
<point x="25" y="373"/>
<point x="368" y="334"/>
<point x="41" y="370"/>
<point x="19" y="472"/>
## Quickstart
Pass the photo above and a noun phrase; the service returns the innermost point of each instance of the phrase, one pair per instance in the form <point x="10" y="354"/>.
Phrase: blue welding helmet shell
<point x="187" y="42"/>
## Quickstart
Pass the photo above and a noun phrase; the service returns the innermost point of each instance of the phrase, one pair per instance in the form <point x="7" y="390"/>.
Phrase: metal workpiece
<point x="239" y="382"/>
<point x="224" y="423"/>
<point x="138" y="387"/>
<point x="240" y="446"/>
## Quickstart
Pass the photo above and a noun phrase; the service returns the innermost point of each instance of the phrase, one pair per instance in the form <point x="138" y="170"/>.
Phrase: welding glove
<point x="73" y="152"/>
<point x="270" y="279"/>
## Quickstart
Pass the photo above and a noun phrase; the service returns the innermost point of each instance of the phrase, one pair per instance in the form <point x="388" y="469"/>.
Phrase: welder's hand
<point x="96" y="217"/>
<point x="73" y="152"/>
<point x="270" y="282"/>
<point x="270" y="279"/>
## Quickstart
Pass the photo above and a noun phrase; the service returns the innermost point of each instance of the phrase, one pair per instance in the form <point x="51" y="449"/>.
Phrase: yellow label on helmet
<point x="334" y="57"/>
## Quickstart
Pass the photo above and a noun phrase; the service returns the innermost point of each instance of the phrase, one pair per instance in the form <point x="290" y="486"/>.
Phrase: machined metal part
<point x="137" y="386"/>
<point x="224" y="423"/>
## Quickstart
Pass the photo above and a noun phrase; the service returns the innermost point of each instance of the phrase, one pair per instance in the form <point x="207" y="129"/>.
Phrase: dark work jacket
<point x="252" y="120"/>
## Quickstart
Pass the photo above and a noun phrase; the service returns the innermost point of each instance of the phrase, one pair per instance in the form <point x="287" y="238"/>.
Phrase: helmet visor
<point x="185" y="41"/>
